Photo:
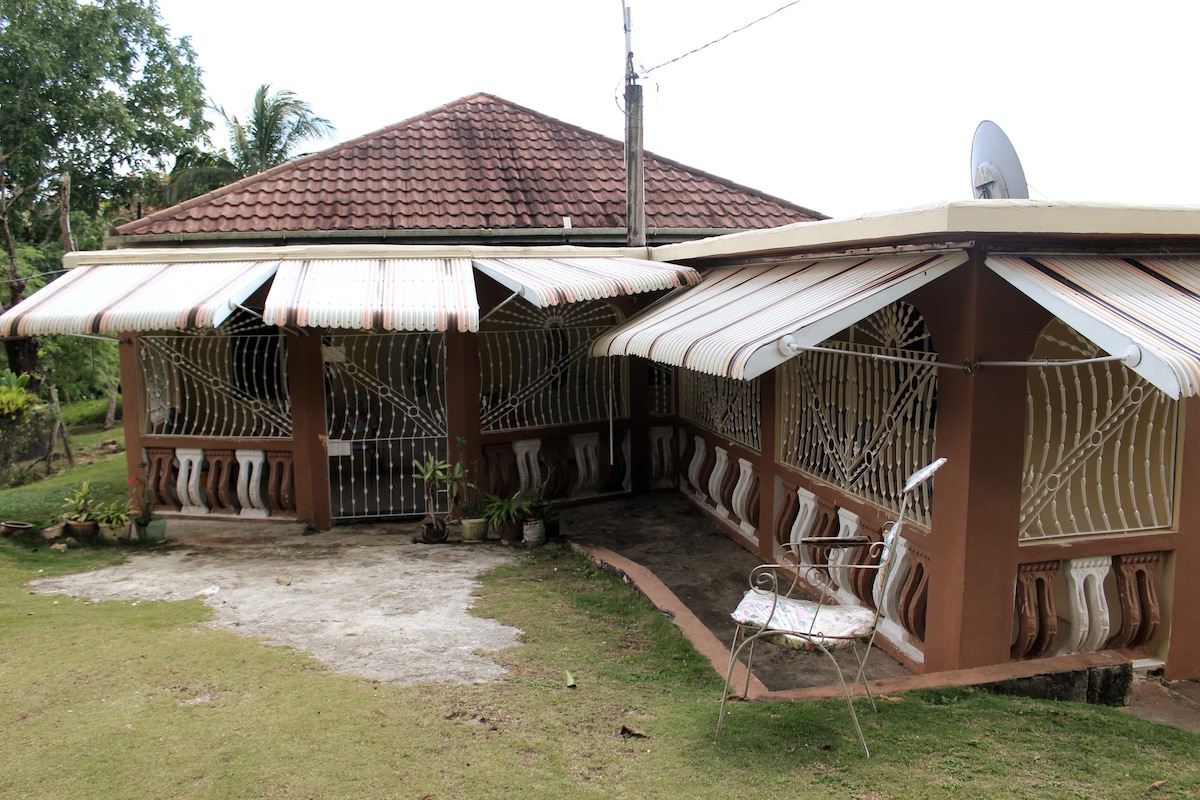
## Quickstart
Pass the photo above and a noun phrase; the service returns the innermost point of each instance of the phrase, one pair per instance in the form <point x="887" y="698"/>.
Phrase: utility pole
<point x="635" y="174"/>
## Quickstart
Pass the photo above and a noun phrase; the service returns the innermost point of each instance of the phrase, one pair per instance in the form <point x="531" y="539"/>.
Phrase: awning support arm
<point x="507" y="300"/>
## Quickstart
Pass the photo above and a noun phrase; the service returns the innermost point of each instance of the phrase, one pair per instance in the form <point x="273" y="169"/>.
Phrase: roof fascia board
<point x="1108" y="339"/>
<point x="956" y="219"/>
<point x="784" y="349"/>
<point x="329" y="252"/>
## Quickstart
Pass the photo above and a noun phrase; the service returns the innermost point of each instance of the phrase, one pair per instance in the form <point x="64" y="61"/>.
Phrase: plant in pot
<point x="114" y="520"/>
<point x="474" y="519"/>
<point x="505" y="515"/>
<point x="80" y="514"/>
<point x="434" y="473"/>
<point x="147" y="526"/>
<point x="533" y="524"/>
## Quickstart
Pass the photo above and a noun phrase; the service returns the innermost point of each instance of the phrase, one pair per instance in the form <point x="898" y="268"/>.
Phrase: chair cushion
<point x="803" y="624"/>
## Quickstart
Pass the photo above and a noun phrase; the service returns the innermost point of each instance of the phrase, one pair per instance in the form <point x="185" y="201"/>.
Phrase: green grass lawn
<point x="140" y="699"/>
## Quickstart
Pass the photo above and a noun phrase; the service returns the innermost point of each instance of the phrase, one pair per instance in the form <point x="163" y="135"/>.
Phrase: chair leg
<point x="734" y="651"/>
<point x="861" y="676"/>
<point x="849" y="701"/>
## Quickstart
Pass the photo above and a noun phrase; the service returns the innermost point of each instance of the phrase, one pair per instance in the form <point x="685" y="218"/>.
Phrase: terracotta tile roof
<point x="477" y="163"/>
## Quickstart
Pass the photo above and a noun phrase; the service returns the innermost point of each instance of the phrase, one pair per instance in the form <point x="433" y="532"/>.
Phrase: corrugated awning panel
<point x="105" y="298"/>
<point x="1150" y="302"/>
<point x="554" y="281"/>
<point x="391" y="294"/>
<point x="732" y="324"/>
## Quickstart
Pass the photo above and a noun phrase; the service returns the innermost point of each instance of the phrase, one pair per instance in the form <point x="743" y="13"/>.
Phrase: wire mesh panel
<point x="385" y="405"/>
<point x="535" y="368"/>
<point x="725" y="406"/>
<point x="1100" y="446"/>
<point x="861" y="423"/>
<point x="229" y="382"/>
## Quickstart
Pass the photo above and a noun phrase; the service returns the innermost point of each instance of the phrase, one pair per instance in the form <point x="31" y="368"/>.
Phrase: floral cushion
<point x="803" y="624"/>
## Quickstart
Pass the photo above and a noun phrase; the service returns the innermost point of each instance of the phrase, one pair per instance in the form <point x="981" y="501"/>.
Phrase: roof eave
<point x="956" y="220"/>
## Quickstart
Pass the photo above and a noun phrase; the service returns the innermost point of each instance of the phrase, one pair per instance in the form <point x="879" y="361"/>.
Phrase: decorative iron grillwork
<point x="229" y="382"/>
<point x="1099" y="446"/>
<point x="661" y="379"/>
<point x="385" y="405"/>
<point x="724" y="406"/>
<point x="535" y="368"/>
<point x="861" y="423"/>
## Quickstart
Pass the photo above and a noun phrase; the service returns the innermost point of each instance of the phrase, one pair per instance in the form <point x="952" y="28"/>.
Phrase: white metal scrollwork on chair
<point x="774" y="611"/>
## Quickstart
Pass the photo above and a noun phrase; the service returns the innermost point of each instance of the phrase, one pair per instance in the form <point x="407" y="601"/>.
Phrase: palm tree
<point x="278" y="124"/>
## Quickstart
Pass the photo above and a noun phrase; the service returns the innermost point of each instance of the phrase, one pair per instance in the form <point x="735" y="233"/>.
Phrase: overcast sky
<point x="843" y="106"/>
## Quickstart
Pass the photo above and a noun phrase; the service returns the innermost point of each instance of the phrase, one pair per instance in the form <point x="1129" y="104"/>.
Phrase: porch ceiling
<point x="743" y="321"/>
<point x="107" y="298"/>
<point x="1148" y="303"/>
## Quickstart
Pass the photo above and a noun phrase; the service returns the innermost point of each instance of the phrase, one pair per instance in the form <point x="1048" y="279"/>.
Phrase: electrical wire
<point x="722" y="38"/>
<point x="35" y="275"/>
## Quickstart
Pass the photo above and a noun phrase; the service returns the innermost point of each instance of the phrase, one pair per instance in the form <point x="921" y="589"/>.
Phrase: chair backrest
<point x="892" y="535"/>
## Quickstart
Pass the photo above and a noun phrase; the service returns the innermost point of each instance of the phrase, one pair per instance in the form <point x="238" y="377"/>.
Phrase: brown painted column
<point x="980" y="430"/>
<point x="131" y="403"/>
<point x="306" y="376"/>
<point x="639" y="421"/>
<point x="1183" y="598"/>
<point x="462" y="400"/>
<point x="767" y="466"/>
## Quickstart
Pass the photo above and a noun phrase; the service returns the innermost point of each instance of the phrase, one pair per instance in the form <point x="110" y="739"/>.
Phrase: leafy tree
<point x="90" y="92"/>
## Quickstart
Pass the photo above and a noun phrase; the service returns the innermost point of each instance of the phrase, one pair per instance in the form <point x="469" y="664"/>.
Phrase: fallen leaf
<point x="630" y="733"/>
<point x="890" y="699"/>
<point x="570" y="680"/>
<point x="1157" y="785"/>
<point x="283" y="581"/>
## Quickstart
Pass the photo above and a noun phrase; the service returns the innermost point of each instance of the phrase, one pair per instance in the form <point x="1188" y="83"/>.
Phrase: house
<point x="291" y="343"/>
<point x="298" y="338"/>
<point x="1050" y="351"/>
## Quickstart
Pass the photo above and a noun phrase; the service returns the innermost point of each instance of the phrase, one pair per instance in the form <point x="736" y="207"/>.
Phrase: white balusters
<point x="1086" y="604"/>
<point x="717" y="478"/>
<point x="187" y="485"/>
<point x="529" y="468"/>
<point x="662" y="457"/>
<point x="251" y="468"/>
<point x="741" y="496"/>
<point x="587" y="462"/>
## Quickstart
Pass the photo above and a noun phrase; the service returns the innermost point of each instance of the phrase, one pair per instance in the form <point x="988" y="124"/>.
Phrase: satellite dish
<point x="996" y="172"/>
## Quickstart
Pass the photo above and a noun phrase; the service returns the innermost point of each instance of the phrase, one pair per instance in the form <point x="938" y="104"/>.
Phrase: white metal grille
<point x="385" y="407"/>
<point x="535" y="369"/>
<point x="861" y="423"/>
<point x="229" y="382"/>
<point x="724" y="406"/>
<point x="1099" y="446"/>
<point x="661" y="379"/>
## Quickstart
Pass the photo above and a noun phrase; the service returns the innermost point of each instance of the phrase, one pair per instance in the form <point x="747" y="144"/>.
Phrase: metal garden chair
<point x="773" y="609"/>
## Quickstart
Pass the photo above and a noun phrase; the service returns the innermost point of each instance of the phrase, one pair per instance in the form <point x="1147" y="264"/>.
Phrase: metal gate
<point x="385" y="406"/>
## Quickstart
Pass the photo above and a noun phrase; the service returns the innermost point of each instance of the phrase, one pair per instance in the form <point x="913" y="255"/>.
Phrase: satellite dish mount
<point x="996" y="172"/>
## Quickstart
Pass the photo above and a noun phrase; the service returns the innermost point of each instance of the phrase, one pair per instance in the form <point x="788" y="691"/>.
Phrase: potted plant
<point x="433" y="473"/>
<point x="474" y="519"/>
<point x="505" y="515"/>
<point x="148" y="526"/>
<point x="80" y="515"/>
<point x="113" y="519"/>
<point x="533" y="523"/>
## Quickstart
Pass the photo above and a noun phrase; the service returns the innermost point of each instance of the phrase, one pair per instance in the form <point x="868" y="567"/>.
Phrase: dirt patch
<point x="371" y="605"/>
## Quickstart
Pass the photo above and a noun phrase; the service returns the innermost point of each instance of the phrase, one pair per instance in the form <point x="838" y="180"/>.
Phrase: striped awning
<point x="743" y="321"/>
<point x="1148" y="303"/>
<point x="554" y="281"/>
<point x="391" y="294"/>
<point x="108" y="298"/>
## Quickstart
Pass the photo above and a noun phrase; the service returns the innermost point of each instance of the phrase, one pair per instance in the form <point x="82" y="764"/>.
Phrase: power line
<point x="723" y="38"/>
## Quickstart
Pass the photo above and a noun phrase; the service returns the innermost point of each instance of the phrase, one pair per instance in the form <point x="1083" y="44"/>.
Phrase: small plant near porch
<point x="148" y="526"/>
<point x="438" y="475"/>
